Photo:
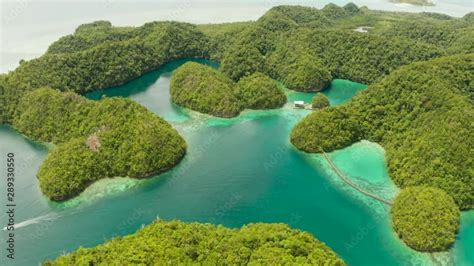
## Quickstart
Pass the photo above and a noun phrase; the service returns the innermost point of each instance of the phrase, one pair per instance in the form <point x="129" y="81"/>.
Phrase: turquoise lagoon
<point x="236" y="171"/>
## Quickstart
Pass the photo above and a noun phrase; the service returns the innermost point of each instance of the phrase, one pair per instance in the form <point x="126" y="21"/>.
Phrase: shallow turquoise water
<point x="237" y="171"/>
<point x="339" y="92"/>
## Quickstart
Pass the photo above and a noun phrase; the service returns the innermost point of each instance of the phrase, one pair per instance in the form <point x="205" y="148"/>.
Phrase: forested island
<point x="209" y="91"/>
<point x="418" y="106"/>
<point x="195" y="243"/>
<point x="95" y="139"/>
<point x="426" y="218"/>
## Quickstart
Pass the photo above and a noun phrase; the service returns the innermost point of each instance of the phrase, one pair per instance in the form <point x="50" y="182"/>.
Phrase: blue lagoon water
<point x="237" y="171"/>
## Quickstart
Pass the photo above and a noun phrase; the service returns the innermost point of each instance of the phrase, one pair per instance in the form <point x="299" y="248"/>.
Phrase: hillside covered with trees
<point x="259" y="91"/>
<point x="95" y="139"/>
<point x="206" y="90"/>
<point x="305" y="48"/>
<point x="320" y="101"/>
<point x="109" y="138"/>
<point x="203" y="89"/>
<point x="99" y="56"/>
<point x="419" y="107"/>
<point x="426" y="218"/>
<point x="194" y="243"/>
<point x="421" y="114"/>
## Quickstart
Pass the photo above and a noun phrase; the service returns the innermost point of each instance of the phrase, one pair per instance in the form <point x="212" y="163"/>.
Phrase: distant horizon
<point x="29" y="27"/>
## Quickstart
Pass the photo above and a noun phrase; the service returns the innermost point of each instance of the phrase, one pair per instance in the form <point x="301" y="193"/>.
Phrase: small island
<point x="203" y="89"/>
<point x="426" y="218"/>
<point x="320" y="101"/>
<point x="95" y="139"/>
<point x="206" y="90"/>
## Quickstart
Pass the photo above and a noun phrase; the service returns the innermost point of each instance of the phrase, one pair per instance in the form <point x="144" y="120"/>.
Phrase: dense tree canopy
<point x="241" y="61"/>
<point x="113" y="137"/>
<point x="275" y="21"/>
<point x="89" y="35"/>
<point x="95" y="139"/>
<point x="180" y="243"/>
<point x="305" y="48"/>
<point x="259" y="91"/>
<point x="302" y="47"/>
<point x="203" y="89"/>
<point x="351" y="8"/>
<point x="333" y="11"/>
<point x="360" y="57"/>
<point x="426" y="218"/>
<point x="222" y="36"/>
<point x="206" y="90"/>
<point x="419" y="109"/>
<point x="99" y="56"/>
<point x="299" y="69"/>
<point x="320" y="101"/>
<point x="304" y="16"/>
<point x="421" y="114"/>
<point x="328" y="129"/>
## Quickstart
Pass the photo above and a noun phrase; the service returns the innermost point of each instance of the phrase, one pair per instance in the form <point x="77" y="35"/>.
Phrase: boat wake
<point x="35" y="220"/>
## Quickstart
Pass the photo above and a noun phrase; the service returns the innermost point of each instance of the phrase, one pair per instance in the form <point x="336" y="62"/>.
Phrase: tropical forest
<point x="338" y="135"/>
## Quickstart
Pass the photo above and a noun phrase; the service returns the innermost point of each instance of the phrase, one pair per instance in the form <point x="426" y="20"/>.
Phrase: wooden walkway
<point x="350" y="183"/>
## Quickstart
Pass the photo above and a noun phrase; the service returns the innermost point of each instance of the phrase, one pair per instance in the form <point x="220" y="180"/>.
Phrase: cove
<point x="236" y="171"/>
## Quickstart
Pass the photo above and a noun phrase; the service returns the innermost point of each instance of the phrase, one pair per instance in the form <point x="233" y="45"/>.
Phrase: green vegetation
<point x="360" y="57"/>
<point x="351" y="9"/>
<point x="246" y="52"/>
<point x="433" y="33"/>
<point x="240" y="61"/>
<point x="203" y="89"/>
<point x="194" y="243"/>
<point x="426" y="218"/>
<point x="334" y="12"/>
<point x="206" y="90"/>
<point x="419" y="107"/>
<point x="421" y="114"/>
<point x="100" y="56"/>
<point x="222" y="36"/>
<point x="90" y="35"/>
<point x="320" y="101"/>
<point x="259" y="91"/>
<point x="305" y="48"/>
<point x="304" y="16"/>
<point x="95" y="139"/>
<point x="302" y="47"/>
<point x="456" y="36"/>
<point x="298" y="69"/>
<point x="330" y="129"/>
<point x="113" y="137"/>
